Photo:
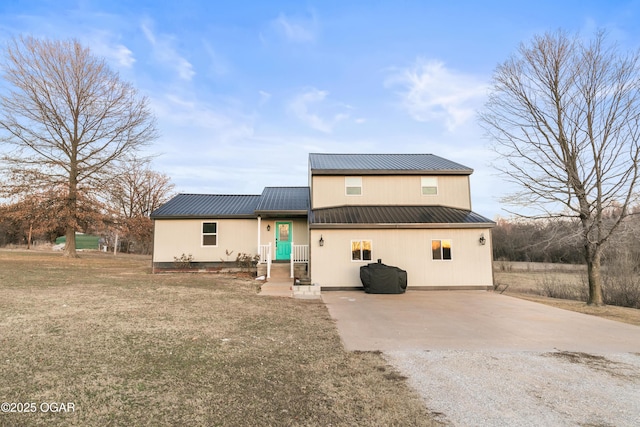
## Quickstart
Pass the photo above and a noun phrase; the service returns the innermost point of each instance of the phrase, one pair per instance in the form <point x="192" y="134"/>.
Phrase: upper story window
<point x="429" y="185"/>
<point x="209" y="234"/>
<point x="353" y="185"/>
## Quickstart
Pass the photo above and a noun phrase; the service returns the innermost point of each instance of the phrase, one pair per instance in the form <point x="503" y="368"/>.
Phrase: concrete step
<point x="280" y="270"/>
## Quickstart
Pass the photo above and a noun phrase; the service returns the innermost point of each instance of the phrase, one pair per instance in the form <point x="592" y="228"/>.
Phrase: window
<point x="429" y="185"/>
<point x="441" y="249"/>
<point x="353" y="185"/>
<point x="361" y="250"/>
<point x="209" y="234"/>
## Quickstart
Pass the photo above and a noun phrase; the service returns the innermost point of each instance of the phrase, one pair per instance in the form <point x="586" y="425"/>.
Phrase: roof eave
<point x="283" y="212"/>
<point x="404" y="226"/>
<point x="229" y="216"/>
<point x="390" y="172"/>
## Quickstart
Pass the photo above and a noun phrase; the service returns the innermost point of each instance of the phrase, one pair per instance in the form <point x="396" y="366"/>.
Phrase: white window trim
<point x="441" y="253"/>
<point x="348" y="185"/>
<point x="361" y="250"/>
<point x="202" y="234"/>
<point x="423" y="186"/>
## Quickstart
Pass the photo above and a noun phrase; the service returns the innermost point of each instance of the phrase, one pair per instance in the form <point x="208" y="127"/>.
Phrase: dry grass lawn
<point x="129" y="348"/>
<point x="524" y="280"/>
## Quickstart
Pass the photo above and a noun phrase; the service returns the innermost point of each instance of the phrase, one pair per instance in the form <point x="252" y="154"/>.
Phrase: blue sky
<point x="244" y="90"/>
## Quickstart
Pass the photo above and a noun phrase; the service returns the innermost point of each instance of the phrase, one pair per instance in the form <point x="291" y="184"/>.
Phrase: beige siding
<point x="331" y="265"/>
<point x="453" y="191"/>
<point x="174" y="237"/>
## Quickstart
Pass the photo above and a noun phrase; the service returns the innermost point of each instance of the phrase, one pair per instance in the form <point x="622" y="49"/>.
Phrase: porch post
<point x="292" y="258"/>
<point x="269" y="262"/>
<point x="259" y="222"/>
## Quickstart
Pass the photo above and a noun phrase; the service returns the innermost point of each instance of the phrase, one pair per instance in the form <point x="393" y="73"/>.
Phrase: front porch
<point x="298" y="262"/>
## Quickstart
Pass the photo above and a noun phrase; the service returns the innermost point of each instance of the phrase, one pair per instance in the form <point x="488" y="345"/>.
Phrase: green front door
<point x="283" y="240"/>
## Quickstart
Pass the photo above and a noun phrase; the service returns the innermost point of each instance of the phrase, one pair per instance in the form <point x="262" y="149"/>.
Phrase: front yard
<point x="100" y="341"/>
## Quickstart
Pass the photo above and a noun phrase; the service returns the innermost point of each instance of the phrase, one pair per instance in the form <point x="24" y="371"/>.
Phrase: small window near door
<point x="441" y="249"/>
<point x="361" y="250"/>
<point x="429" y="185"/>
<point x="353" y="185"/>
<point x="209" y="234"/>
<point x="283" y="232"/>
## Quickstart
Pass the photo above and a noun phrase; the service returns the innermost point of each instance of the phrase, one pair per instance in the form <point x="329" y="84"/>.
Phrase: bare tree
<point x="69" y="117"/>
<point x="564" y="115"/>
<point x="135" y="192"/>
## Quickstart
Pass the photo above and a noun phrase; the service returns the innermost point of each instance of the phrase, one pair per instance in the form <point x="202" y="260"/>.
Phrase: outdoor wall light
<point x="268" y="228"/>
<point x="321" y="241"/>
<point x="482" y="239"/>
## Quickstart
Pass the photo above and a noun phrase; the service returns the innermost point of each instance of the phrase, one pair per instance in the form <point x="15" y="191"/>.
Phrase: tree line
<point x="120" y="208"/>
<point x="560" y="241"/>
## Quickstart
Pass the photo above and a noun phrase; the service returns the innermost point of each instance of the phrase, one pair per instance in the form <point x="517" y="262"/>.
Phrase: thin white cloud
<point x="431" y="92"/>
<point x="218" y="64"/>
<point x="165" y="52"/>
<point x="264" y="97"/>
<point x="123" y="55"/>
<point x="305" y="107"/>
<point x="179" y="111"/>
<point x="115" y="53"/>
<point x="296" y="30"/>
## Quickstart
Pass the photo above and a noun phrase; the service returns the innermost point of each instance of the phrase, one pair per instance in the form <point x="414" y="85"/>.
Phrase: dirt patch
<point x="598" y="363"/>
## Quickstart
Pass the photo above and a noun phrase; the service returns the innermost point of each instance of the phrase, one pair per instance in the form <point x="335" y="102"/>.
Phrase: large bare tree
<point x="564" y="116"/>
<point x="68" y="117"/>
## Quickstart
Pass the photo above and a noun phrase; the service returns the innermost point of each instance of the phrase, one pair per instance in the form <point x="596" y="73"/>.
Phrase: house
<point x="412" y="211"/>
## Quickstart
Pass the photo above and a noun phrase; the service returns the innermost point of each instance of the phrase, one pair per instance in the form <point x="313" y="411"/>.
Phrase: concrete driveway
<point x="470" y="320"/>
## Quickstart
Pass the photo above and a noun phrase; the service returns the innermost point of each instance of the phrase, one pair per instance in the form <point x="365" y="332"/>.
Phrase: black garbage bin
<point x="378" y="278"/>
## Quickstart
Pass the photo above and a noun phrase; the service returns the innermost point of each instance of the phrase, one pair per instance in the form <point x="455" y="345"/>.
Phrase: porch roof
<point x="284" y="200"/>
<point x="384" y="164"/>
<point x="396" y="217"/>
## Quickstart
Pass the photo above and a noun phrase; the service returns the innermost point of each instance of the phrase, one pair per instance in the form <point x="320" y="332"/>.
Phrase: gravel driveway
<point x="483" y="388"/>
<point x="482" y="359"/>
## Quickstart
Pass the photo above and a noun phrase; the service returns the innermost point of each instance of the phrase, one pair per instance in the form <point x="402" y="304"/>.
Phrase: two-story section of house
<point x="412" y="211"/>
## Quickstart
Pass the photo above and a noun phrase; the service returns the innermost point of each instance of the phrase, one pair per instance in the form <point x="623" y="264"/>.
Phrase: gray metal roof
<point x="383" y="164"/>
<point x="284" y="199"/>
<point x="395" y="216"/>
<point x="208" y="206"/>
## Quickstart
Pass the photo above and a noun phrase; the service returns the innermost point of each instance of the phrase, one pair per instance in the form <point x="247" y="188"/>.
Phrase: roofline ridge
<point x="287" y="186"/>
<point x="216" y="194"/>
<point x="375" y="154"/>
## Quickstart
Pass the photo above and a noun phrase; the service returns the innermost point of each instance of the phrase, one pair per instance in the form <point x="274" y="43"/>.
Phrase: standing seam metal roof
<point x="395" y="215"/>
<point x="372" y="163"/>
<point x="283" y="199"/>
<point x="208" y="205"/>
